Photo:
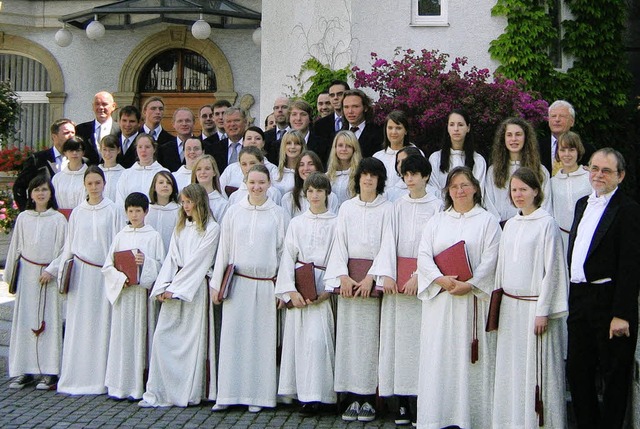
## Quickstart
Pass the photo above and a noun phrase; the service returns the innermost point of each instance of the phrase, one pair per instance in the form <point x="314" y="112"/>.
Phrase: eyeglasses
<point x="462" y="186"/>
<point x="594" y="169"/>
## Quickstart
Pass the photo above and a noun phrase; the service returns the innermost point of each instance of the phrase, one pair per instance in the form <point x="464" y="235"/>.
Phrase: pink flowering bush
<point x="8" y="211"/>
<point x="427" y="89"/>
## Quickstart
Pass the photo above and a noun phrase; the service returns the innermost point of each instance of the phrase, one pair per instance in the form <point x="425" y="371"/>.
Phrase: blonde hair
<point x="334" y="163"/>
<point x="201" y="211"/>
<point x="294" y="136"/>
<point x="216" y="177"/>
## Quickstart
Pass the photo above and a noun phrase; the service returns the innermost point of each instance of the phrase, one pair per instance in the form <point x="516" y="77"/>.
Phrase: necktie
<point x="338" y="123"/>
<point x="98" y="130"/>
<point x="181" y="151"/>
<point x="353" y="129"/>
<point x="234" y="153"/>
<point x="280" y="133"/>
<point x="125" y="146"/>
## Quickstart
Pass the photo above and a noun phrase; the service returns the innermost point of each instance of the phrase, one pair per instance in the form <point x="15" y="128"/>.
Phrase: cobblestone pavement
<point x="30" y="408"/>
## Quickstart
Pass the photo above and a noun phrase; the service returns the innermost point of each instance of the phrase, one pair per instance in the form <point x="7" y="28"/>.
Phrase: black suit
<point x="220" y="152"/>
<point x="326" y="127"/>
<point x="321" y="146"/>
<point x="544" y="146"/>
<point x="42" y="162"/>
<point x="128" y="158"/>
<point x="614" y="253"/>
<point x="168" y="156"/>
<point x="86" y="131"/>
<point x="272" y="144"/>
<point x="370" y="139"/>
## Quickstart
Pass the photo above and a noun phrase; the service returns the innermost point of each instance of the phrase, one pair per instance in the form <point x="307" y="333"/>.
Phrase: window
<point x="429" y="12"/>
<point x="555" y="50"/>
<point x="178" y="70"/>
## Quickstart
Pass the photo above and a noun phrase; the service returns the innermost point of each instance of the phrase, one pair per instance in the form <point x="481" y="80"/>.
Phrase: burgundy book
<point x="225" y="284"/>
<point x="454" y="261"/>
<point x="305" y="281"/>
<point x="125" y="262"/>
<point x="493" y="317"/>
<point x="67" y="267"/>
<point x="66" y="212"/>
<point x="230" y="190"/>
<point x="406" y="268"/>
<point x="358" y="270"/>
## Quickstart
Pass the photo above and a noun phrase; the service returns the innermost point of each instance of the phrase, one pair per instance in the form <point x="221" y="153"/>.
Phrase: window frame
<point x="441" y="20"/>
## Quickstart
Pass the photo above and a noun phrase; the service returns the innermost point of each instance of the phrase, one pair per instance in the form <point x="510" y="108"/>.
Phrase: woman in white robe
<point x="570" y="183"/>
<point x="401" y="309"/>
<point x="458" y="143"/>
<point x="182" y="368"/>
<point x="363" y="222"/>
<point x="127" y="358"/>
<point x="308" y="345"/>
<point x="291" y="146"/>
<point x="515" y="145"/>
<point x="344" y="158"/>
<point x="109" y="150"/>
<point x="164" y="208"/>
<point x="92" y="226"/>
<point x="252" y="239"/>
<point x="192" y="151"/>
<point x="205" y="173"/>
<point x="533" y="274"/>
<point x="453" y="390"/>
<point x="248" y="157"/>
<point x="69" y="184"/>
<point x="138" y="178"/>
<point x="38" y="237"/>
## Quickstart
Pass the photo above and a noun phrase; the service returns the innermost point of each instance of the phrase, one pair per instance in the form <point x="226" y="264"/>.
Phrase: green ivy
<point x="320" y="79"/>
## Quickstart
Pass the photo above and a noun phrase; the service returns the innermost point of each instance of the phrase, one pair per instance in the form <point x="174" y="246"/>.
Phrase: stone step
<point x="6" y="311"/>
<point x="5" y="332"/>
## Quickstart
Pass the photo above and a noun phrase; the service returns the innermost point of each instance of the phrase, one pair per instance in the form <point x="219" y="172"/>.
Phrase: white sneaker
<point x="367" y="413"/>
<point x="254" y="409"/>
<point x="219" y="407"/>
<point x="145" y="404"/>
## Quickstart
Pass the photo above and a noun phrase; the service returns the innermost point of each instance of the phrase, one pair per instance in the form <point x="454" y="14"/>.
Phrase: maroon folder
<point x="306" y="281"/>
<point x="225" y="284"/>
<point x="454" y="261"/>
<point x="493" y="317"/>
<point x="406" y="268"/>
<point x="230" y="190"/>
<point x="358" y="270"/>
<point x="66" y="212"/>
<point x="67" y="267"/>
<point x="125" y="262"/>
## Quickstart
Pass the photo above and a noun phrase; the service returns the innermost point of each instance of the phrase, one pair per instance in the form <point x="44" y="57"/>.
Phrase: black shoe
<point x="21" y="381"/>
<point x="403" y="417"/>
<point x="308" y="409"/>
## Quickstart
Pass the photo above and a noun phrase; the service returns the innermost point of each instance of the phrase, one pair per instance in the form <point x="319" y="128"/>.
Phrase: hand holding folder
<point x="126" y="261"/>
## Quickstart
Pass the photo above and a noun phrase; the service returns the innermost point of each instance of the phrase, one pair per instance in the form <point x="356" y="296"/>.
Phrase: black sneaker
<point x="351" y="413"/>
<point x="367" y="413"/>
<point x="22" y="381"/>
<point x="403" y="417"/>
<point x="308" y="409"/>
<point x="48" y="382"/>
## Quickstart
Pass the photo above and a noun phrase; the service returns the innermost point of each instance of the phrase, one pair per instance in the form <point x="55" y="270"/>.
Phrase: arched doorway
<point x="181" y="69"/>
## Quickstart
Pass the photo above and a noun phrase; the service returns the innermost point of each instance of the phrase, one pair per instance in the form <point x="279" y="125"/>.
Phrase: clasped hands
<point x="454" y="286"/>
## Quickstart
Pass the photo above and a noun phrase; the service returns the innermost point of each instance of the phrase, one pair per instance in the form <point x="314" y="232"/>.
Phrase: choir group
<point x="241" y="239"/>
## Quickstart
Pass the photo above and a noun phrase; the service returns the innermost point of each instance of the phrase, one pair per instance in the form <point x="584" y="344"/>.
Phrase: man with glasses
<point x="328" y="126"/>
<point x="603" y="255"/>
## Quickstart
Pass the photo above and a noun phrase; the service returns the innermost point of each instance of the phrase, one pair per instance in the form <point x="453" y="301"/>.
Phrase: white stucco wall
<point x="366" y="26"/>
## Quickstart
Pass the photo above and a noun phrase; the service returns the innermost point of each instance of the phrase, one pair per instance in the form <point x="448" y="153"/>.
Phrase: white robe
<point x="308" y="346"/>
<point x="183" y="342"/>
<point x="111" y="177"/>
<point x="397" y="191"/>
<point x="127" y="357"/>
<point x="438" y="179"/>
<point x="38" y="237"/>
<point x="401" y="314"/>
<point x="183" y="177"/>
<point x="566" y="190"/>
<point x="340" y="186"/>
<point x="361" y="228"/>
<point x="452" y="390"/>
<point x="388" y="158"/>
<point x="233" y="176"/>
<point x="163" y="219"/>
<point x="218" y="205"/>
<point x="252" y="239"/>
<point x="285" y="184"/>
<point x="86" y="342"/>
<point x="138" y="178"/>
<point x="497" y="200"/>
<point x="242" y="193"/>
<point x="293" y="211"/>
<point x="69" y="187"/>
<point x="531" y="262"/>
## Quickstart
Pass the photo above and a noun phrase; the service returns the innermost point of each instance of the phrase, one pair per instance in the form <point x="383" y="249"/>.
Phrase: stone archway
<point x="173" y="37"/>
<point x="20" y="46"/>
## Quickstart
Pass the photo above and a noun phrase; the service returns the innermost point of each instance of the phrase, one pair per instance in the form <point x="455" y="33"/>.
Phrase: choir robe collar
<point x="46" y="213"/>
<point x="579" y="172"/>
<point x="145" y="228"/>
<point x="428" y="198"/>
<point x="172" y="206"/>
<point x="155" y="166"/>
<point x="476" y="210"/>
<point x="539" y="213"/>
<point x="79" y="172"/>
<point x="268" y="205"/>
<point x="326" y="215"/>
<point x="380" y="199"/>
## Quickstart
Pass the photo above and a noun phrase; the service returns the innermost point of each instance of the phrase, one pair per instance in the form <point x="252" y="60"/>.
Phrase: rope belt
<point x="40" y="264"/>
<point x="318" y="267"/>
<point x="529" y="298"/>
<point x="266" y="279"/>
<point x="87" y="262"/>
<point x="564" y="230"/>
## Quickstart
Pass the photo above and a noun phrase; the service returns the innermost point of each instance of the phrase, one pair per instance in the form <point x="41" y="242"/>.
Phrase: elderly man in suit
<point x="228" y="149"/>
<point x="49" y="161"/>
<point x="603" y="257"/>
<point x="356" y="108"/>
<point x="92" y="131"/>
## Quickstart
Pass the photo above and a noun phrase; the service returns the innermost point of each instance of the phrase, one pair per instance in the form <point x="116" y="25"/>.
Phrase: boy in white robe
<point x="127" y="357"/>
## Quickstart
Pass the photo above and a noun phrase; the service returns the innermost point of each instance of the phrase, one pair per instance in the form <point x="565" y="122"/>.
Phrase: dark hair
<point x="110" y="141"/>
<point x="298" y="183"/>
<point x="416" y="164"/>
<point x="153" y="141"/>
<point x="137" y="199"/>
<point x="318" y="180"/>
<point x="366" y="102"/>
<point x="399" y="117"/>
<point x="372" y="166"/>
<point x="266" y="120"/>
<point x="468" y="173"/>
<point x="529" y="178"/>
<point x="409" y="151"/>
<point x="260" y="168"/>
<point x="73" y="144"/>
<point x="36" y="182"/>
<point x="339" y="82"/>
<point x="251" y="150"/>
<point x="570" y="140"/>
<point x="617" y="155"/>
<point x="500" y="155"/>
<point x="94" y="169"/>
<point x="153" y="195"/>
<point x="469" y="144"/>
<point x="221" y="103"/>
<point x="55" y="127"/>
<point x="255" y="130"/>
<point x="129" y="110"/>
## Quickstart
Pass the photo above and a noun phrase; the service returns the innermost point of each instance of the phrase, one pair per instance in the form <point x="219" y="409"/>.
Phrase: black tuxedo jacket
<point x="41" y="162"/>
<point x="370" y="139"/>
<point x="544" y="146"/>
<point x="86" y="131"/>
<point x="220" y="152"/>
<point x="128" y="158"/>
<point x="614" y="253"/>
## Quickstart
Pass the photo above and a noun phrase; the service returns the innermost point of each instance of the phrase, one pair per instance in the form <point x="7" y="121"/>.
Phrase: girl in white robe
<point x="399" y="190"/>
<point x="570" y="183"/>
<point x="205" y="173"/>
<point x="38" y="237"/>
<point x="458" y="143"/>
<point x="533" y="274"/>
<point x="164" y="208"/>
<point x="248" y="157"/>
<point x="344" y="158"/>
<point x="92" y="226"/>
<point x="252" y="239"/>
<point x="452" y="389"/>
<point x="110" y="149"/>
<point x="182" y="369"/>
<point x="192" y="151"/>
<point x="127" y="358"/>
<point x="291" y="146"/>
<point x="308" y="345"/>
<point x="515" y="145"/>
<point x="138" y="178"/>
<point x="401" y="309"/>
<point x="363" y="221"/>
<point x="69" y="183"/>
<point x="307" y="163"/>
